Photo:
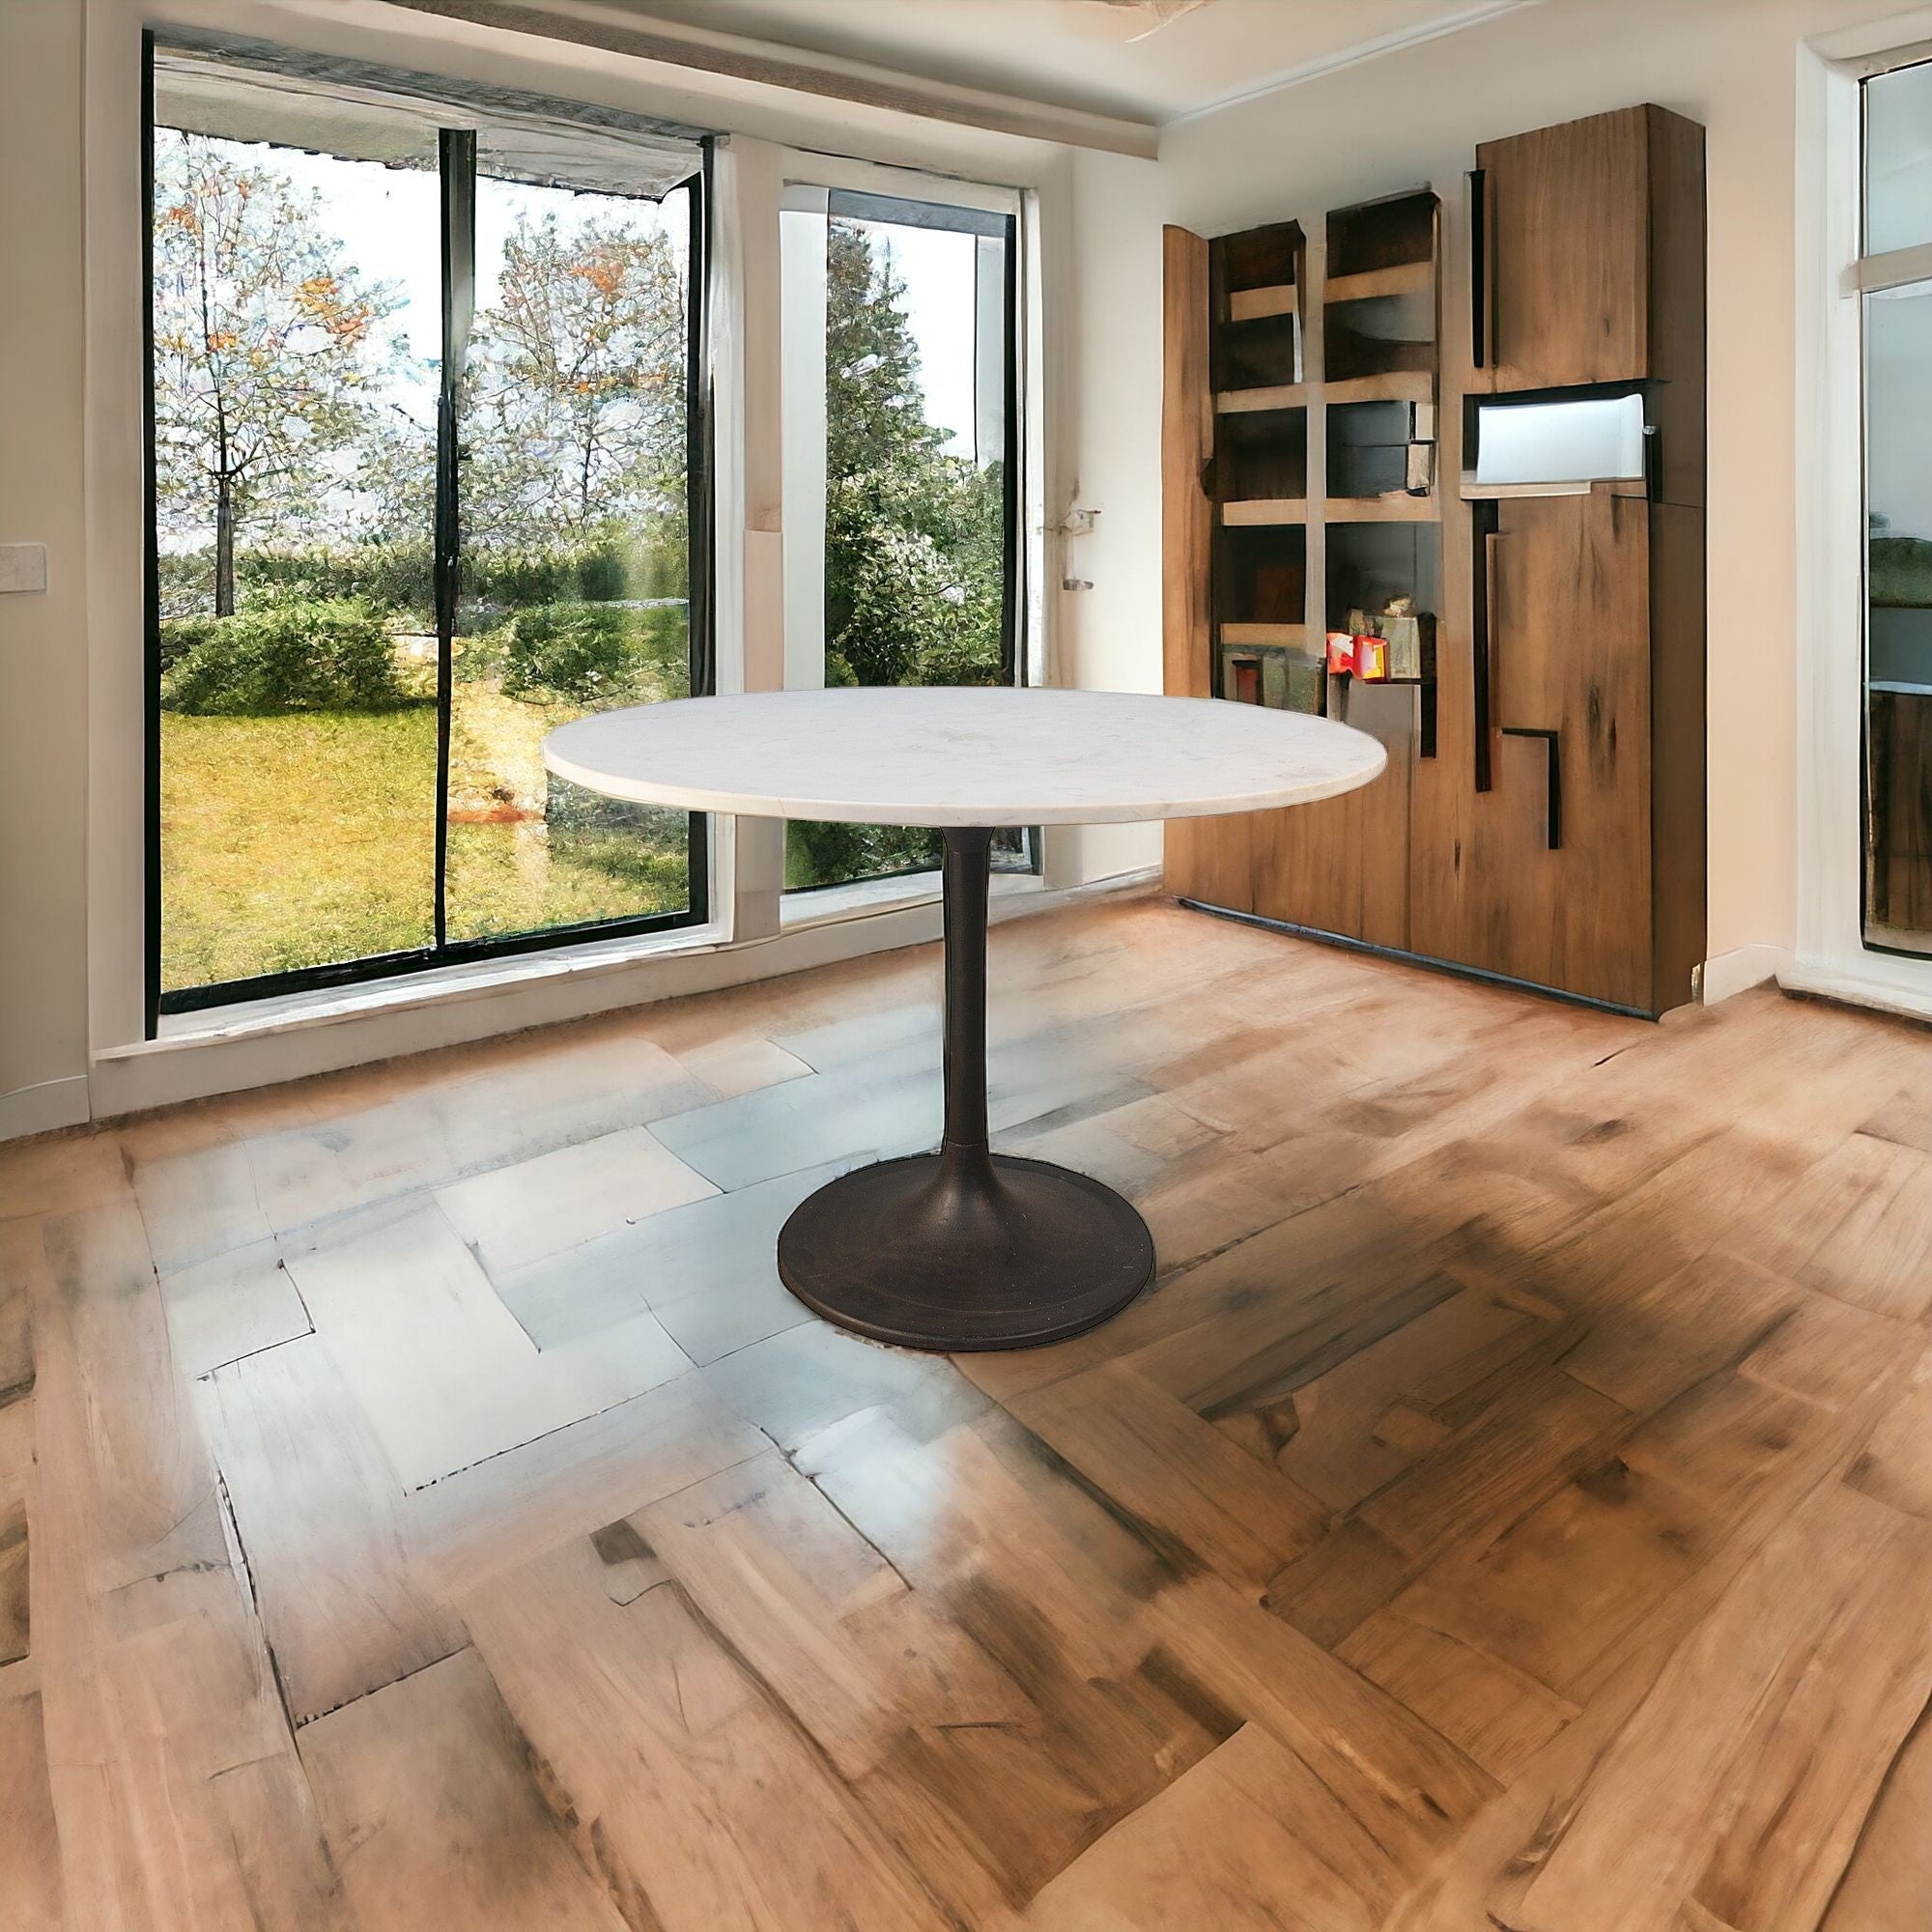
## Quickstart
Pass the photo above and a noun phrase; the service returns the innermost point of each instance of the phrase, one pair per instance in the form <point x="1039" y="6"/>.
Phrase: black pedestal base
<point x="965" y="1250"/>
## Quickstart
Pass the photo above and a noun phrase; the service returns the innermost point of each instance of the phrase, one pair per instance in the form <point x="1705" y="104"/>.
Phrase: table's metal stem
<point x="965" y="1248"/>
<point x="968" y="869"/>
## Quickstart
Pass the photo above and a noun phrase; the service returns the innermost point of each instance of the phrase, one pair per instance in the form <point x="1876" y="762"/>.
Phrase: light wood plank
<point x="700" y="1804"/>
<point x="516" y="1215"/>
<point x="1252" y="304"/>
<point x="1405" y="278"/>
<point x="30" y="1897"/>
<point x="320" y="1511"/>
<point x="437" y="1813"/>
<point x="438" y="1364"/>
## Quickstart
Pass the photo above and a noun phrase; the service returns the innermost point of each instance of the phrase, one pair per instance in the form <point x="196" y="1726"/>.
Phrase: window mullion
<point x="457" y="170"/>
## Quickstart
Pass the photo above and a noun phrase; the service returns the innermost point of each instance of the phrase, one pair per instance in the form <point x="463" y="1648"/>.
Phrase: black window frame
<point x="457" y="201"/>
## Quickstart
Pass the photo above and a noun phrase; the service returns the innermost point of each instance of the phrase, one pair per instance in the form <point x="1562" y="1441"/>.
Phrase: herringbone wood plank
<point x="1511" y="1507"/>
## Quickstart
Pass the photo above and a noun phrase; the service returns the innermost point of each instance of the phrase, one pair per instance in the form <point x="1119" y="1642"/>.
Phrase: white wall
<point x="1415" y="116"/>
<point x="1109" y="637"/>
<point x="42" y="637"/>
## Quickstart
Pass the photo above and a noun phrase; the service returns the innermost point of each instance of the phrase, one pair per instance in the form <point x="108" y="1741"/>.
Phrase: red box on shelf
<point x="1372" y="658"/>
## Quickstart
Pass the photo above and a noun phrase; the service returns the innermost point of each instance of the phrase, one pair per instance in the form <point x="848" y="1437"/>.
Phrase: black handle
<point x="1484" y="526"/>
<point x="1479" y="266"/>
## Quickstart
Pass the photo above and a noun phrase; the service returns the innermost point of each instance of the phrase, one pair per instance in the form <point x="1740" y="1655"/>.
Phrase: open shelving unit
<point x="1348" y="376"/>
<point x="1316" y="390"/>
<point x="1543" y="815"/>
<point x="1255" y="471"/>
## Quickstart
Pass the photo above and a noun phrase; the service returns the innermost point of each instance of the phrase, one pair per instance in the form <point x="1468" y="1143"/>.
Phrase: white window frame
<point x="1830" y="956"/>
<point x="807" y="181"/>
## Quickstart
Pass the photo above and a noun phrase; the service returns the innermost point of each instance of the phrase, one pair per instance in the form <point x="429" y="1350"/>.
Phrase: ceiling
<point x="1080" y="53"/>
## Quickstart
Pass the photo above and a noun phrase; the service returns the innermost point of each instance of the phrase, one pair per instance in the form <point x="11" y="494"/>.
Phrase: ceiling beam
<point x="826" y="76"/>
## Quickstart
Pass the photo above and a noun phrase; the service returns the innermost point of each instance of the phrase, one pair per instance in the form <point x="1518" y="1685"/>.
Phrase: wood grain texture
<point x="1509" y="1508"/>
<point x="1570" y="625"/>
<point x="1205" y="858"/>
<point x="436" y="1812"/>
<point x="1569" y="211"/>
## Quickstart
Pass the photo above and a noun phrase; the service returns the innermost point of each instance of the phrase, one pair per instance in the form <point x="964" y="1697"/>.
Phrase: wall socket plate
<point x="23" y="566"/>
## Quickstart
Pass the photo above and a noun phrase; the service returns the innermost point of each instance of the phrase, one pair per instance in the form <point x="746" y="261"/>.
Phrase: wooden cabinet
<point x="1569" y="634"/>
<point x="1564" y="230"/>
<point x="1542" y="817"/>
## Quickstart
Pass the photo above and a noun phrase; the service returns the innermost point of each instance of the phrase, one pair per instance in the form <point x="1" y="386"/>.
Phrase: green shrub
<point x="180" y="636"/>
<point x="593" y="653"/>
<point x="390" y="576"/>
<point x="293" y="654"/>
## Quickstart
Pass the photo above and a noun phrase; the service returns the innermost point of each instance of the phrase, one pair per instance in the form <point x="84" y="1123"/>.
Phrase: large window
<point x="1897" y="276"/>
<point x="426" y="459"/>
<point x="901" y="479"/>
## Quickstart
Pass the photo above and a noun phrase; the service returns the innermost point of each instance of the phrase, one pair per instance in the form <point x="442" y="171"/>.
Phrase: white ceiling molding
<point x="825" y="75"/>
<point x="1471" y="16"/>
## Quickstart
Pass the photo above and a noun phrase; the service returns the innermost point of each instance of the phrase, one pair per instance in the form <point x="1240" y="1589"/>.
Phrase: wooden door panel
<point x="1571" y="630"/>
<point x="1342" y="866"/>
<point x="1568" y="252"/>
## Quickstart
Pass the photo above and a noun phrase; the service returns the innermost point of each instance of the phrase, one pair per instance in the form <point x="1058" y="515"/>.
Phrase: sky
<point x="388" y="218"/>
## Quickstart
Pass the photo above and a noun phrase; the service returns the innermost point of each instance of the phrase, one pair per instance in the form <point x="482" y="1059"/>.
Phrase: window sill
<point x="477" y="979"/>
<point x="823" y="905"/>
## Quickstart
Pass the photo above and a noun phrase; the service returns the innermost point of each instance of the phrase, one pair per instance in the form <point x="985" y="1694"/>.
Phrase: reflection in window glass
<point x="917" y="326"/>
<point x="295" y="344"/>
<point x="576" y="591"/>
<point x="1898" y="666"/>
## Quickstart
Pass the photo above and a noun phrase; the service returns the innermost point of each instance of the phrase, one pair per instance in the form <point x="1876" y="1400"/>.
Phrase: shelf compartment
<point x="1258" y="258"/>
<point x="1260" y="454"/>
<point x="1281" y="396"/>
<point x="1396" y="232"/>
<point x="1254" y="511"/>
<point x="1369" y="565"/>
<point x="1255" y="305"/>
<point x="1253" y="290"/>
<point x="1405" y="278"/>
<point x="1270" y="675"/>
<point x="1259" y="575"/>
<point x="1375" y="450"/>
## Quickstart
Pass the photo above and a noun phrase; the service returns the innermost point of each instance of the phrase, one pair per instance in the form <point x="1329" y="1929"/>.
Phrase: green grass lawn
<point x="303" y="838"/>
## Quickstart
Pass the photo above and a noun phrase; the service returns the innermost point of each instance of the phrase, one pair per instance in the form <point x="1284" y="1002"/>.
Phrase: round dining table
<point x="963" y="1248"/>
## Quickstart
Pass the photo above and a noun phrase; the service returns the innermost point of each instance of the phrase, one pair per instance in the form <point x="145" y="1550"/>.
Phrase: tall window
<point x="422" y="480"/>
<point x="900" y="486"/>
<point x="1897" y="276"/>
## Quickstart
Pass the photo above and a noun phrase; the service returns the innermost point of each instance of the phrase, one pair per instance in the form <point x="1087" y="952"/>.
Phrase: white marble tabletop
<point x="961" y="755"/>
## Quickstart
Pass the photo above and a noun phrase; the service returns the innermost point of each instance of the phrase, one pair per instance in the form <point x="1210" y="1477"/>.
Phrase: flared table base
<point x="965" y="1250"/>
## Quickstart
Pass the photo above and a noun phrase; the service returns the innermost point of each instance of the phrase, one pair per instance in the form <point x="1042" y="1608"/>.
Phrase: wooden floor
<point x="421" y="1507"/>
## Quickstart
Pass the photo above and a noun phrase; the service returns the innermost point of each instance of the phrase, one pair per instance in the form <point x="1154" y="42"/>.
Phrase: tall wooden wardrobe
<point x="1542" y="817"/>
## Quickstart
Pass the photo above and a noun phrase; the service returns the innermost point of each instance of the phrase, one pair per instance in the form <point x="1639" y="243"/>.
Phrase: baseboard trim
<point x="1428" y="962"/>
<point x="45" y="1108"/>
<point x="1728" y="974"/>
